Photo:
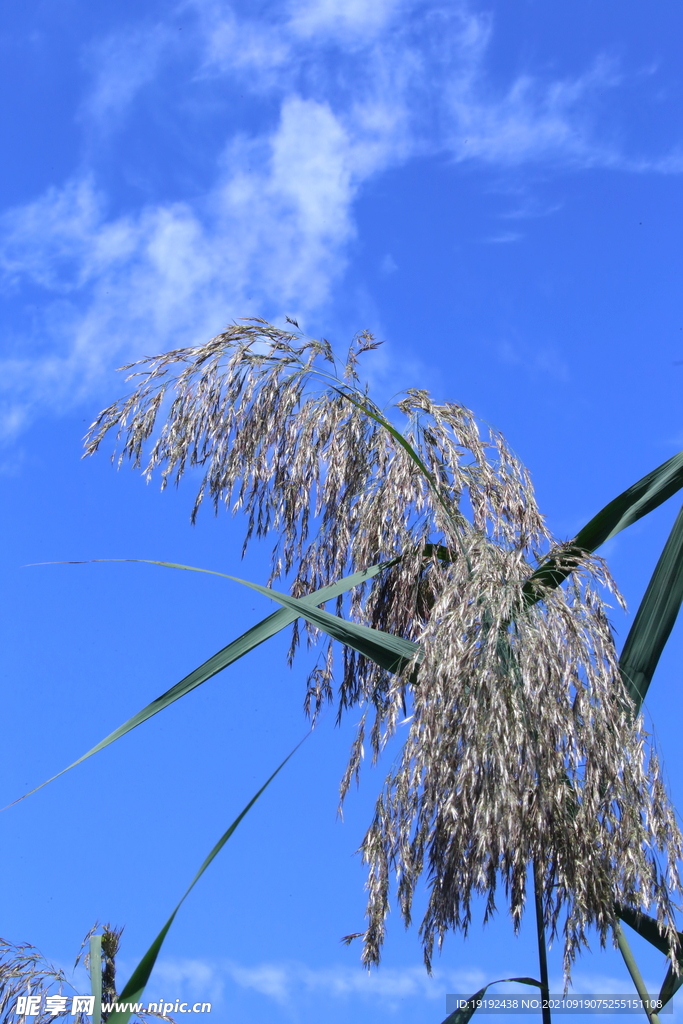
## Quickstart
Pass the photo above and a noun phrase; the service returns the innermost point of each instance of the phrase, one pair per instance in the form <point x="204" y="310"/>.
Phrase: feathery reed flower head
<point x="522" y="747"/>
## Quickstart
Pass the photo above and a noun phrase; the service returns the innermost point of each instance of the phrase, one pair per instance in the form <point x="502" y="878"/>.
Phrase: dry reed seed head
<point x="520" y="745"/>
<point x="24" y="970"/>
<point x="521" y="749"/>
<point x="267" y="442"/>
<point x="291" y="457"/>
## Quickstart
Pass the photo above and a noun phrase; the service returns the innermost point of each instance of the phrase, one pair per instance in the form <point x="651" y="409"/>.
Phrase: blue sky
<point x="495" y="189"/>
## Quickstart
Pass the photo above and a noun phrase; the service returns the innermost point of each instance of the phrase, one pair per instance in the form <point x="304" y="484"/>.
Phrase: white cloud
<point x="229" y="44"/>
<point x="269" y="237"/>
<point x="353" y="18"/>
<point x="273" y="980"/>
<point x="504" y="238"/>
<point x="196" y="979"/>
<point x="51" y="239"/>
<point x="288" y="982"/>
<point x="533" y="120"/>
<point x="120" y="65"/>
<point x="388" y="264"/>
<point x="544" y="361"/>
<point x="246" y="44"/>
<point x="358" y="88"/>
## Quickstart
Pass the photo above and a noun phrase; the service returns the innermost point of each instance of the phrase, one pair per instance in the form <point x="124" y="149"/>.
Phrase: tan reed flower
<point x="522" y="746"/>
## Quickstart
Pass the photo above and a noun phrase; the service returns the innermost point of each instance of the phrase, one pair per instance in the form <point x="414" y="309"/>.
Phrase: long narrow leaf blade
<point x="627" y="508"/>
<point x="465" y="1013"/>
<point x="655" y="618"/>
<point x="136" y="984"/>
<point x="632" y="504"/>
<point x="671" y="984"/>
<point x="237" y="649"/>
<point x="391" y="652"/>
<point x="646" y="927"/>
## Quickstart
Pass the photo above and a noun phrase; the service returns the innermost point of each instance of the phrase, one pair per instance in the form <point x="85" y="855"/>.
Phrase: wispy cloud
<point x="353" y="20"/>
<point x="120" y="65"/>
<point x="287" y="982"/>
<point x="533" y="120"/>
<point x="346" y="92"/>
<point x="543" y="361"/>
<point x="504" y="238"/>
<point x="263" y="239"/>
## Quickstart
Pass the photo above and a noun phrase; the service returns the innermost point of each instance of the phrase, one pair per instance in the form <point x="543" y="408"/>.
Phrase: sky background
<point x="492" y="188"/>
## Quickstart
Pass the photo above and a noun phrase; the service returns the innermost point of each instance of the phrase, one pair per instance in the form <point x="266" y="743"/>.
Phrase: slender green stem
<point x="542" y="951"/>
<point x="96" y="976"/>
<point x="633" y="970"/>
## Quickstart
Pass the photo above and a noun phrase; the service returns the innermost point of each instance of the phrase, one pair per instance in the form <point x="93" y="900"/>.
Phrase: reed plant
<point x="526" y="778"/>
